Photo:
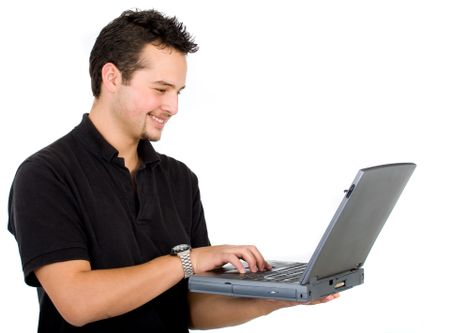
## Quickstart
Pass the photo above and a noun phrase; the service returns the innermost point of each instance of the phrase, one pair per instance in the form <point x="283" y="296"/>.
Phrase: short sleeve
<point x="199" y="232"/>
<point x="43" y="217"/>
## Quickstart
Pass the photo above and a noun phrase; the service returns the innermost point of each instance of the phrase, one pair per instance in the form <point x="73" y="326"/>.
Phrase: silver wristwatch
<point x="183" y="251"/>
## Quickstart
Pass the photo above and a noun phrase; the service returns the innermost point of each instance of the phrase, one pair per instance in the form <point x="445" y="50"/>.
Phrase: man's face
<point x="145" y="103"/>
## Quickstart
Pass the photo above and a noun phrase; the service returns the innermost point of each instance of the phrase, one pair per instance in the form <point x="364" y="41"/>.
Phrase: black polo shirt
<point x="75" y="199"/>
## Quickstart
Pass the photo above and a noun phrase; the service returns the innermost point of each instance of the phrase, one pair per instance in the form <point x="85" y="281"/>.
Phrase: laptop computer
<point x="337" y="263"/>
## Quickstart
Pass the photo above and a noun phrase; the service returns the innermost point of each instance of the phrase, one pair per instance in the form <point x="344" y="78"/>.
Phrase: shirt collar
<point x="91" y="138"/>
<point x="147" y="153"/>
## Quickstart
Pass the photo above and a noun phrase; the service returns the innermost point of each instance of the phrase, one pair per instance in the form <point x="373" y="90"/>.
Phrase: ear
<point x="111" y="77"/>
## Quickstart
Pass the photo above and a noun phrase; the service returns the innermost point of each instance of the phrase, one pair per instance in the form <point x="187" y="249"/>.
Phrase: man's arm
<point x="82" y="295"/>
<point x="216" y="311"/>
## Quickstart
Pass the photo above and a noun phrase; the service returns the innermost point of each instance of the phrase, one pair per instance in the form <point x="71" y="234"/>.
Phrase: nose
<point x="170" y="103"/>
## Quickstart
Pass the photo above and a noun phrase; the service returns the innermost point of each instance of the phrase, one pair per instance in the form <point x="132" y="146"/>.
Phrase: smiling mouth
<point x="158" y="120"/>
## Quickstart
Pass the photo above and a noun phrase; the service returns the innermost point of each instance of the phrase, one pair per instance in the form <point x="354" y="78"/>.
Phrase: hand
<point x="211" y="257"/>
<point x="322" y="300"/>
<point x="272" y="305"/>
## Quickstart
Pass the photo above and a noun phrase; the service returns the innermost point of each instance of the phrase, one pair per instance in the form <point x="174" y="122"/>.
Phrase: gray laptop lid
<point x="359" y="219"/>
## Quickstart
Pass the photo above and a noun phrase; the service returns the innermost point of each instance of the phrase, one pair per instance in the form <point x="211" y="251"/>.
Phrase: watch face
<point x="180" y="248"/>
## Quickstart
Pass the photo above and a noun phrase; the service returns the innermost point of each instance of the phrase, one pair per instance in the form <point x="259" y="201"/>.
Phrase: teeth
<point x="159" y="120"/>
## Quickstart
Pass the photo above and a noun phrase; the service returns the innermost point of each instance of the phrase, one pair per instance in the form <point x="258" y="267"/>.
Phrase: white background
<point x="285" y="101"/>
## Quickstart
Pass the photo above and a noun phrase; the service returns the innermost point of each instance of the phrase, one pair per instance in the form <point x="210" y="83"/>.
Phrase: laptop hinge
<point x="313" y="280"/>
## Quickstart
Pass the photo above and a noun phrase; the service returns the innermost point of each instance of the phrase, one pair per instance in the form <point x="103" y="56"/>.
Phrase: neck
<point x="114" y="134"/>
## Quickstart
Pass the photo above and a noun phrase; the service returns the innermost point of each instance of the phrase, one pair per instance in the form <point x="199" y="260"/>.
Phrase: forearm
<point x="109" y="293"/>
<point x="215" y="311"/>
<point x="82" y="295"/>
<point x="92" y="295"/>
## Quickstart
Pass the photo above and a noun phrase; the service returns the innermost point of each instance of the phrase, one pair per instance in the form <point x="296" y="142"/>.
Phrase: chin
<point x="152" y="138"/>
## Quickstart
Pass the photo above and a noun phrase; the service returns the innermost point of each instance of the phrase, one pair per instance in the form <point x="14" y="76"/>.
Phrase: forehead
<point x="163" y="60"/>
<point x="161" y="64"/>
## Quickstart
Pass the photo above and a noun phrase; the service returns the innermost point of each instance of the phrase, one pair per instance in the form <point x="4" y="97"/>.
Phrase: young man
<point x="101" y="219"/>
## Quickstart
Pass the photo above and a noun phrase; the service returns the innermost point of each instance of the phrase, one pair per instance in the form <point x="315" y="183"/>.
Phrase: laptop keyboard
<point x="290" y="273"/>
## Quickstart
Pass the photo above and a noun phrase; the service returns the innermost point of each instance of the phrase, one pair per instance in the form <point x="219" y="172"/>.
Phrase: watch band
<point x="185" y="257"/>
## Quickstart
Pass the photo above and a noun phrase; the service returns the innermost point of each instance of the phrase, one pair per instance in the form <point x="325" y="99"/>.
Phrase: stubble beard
<point x="146" y="136"/>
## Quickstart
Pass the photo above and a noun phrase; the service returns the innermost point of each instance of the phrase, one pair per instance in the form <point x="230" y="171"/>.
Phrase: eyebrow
<point x="171" y="85"/>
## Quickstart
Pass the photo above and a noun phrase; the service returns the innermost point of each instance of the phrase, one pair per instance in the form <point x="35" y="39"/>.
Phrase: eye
<point x="161" y="90"/>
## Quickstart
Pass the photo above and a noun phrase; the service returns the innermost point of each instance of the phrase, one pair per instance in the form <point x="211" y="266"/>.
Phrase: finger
<point x="337" y="295"/>
<point x="326" y="299"/>
<point x="236" y="262"/>
<point x="249" y="257"/>
<point x="260" y="261"/>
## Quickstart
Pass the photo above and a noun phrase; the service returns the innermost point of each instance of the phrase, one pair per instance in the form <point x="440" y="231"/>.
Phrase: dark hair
<point x="122" y="40"/>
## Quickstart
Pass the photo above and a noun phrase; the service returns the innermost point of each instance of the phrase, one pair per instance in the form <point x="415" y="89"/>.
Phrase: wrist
<point x="183" y="252"/>
<point x="268" y="306"/>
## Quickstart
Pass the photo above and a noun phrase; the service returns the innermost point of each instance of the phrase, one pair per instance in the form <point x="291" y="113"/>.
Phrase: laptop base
<point x="223" y="284"/>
